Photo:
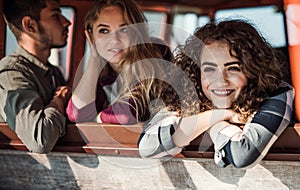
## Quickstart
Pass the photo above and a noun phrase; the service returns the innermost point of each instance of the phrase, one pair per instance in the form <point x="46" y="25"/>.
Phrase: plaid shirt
<point x="254" y="141"/>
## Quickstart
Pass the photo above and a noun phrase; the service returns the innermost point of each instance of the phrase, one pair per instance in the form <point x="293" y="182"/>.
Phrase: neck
<point x="35" y="48"/>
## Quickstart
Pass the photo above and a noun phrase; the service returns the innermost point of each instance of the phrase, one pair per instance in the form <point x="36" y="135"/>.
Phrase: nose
<point x="115" y="37"/>
<point x="65" y="21"/>
<point x="222" y="78"/>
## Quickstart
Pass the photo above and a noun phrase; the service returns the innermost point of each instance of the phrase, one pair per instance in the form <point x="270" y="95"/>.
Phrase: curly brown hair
<point x="260" y="63"/>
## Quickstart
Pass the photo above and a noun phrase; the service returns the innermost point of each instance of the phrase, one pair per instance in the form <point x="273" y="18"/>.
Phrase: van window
<point x="157" y="22"/>
<point x="59" y="56"/>
<point x="185" y="25"/>
<point x="267" y="19"/>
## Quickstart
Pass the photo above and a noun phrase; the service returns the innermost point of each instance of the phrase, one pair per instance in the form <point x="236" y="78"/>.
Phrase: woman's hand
<point x="192" y="126"/>
<point x="235" y="118"/>
<point x="94" y="52"/>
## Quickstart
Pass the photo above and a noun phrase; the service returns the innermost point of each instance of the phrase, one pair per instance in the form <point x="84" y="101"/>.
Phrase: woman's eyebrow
<point x="209" y="64"/>
<point x="232" y="63"/>
<point x="102" y="25"/>
<point x="107" y="26"/>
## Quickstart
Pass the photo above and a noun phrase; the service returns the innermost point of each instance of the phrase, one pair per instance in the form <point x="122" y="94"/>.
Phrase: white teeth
<point x="222" y="92"/>
<point x="115" y="50"/>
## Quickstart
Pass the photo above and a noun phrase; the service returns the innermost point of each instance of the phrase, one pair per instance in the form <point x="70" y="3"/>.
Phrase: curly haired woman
<point x="241" y="100"/>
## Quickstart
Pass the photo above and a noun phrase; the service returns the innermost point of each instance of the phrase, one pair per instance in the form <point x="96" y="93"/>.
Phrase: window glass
<point x="266" y="19"/>
<point x="11" y="42"/>
<point x="185" y="25"/>
<point x="59" y="56"/>
<point x="202" y="20"/>
<point x="156" y="23"/>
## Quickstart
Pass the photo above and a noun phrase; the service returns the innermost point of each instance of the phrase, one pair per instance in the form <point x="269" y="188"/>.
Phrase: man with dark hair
<point x="33" y="94"/>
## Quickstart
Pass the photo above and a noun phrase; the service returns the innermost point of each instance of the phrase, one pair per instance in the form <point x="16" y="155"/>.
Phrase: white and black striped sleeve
<point x="258" y="135"/>
<point x="156" y="140"/>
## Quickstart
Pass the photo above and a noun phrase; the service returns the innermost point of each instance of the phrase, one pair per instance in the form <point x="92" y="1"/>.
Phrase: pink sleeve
<point x="72" y="111"/>
<point x="87" y="113"/>
<point x="120" y="113"/>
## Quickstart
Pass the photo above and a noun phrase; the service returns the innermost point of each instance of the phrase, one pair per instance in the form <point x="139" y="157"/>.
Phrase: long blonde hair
<point x="138" y="80"/>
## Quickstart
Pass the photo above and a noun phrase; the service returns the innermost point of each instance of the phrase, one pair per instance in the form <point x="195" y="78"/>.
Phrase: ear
<point x="89" y="36"/>
<point x="29" y="25"/>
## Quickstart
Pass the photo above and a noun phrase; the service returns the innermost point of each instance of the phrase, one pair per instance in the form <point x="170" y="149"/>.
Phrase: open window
<point x="59" y="56"/>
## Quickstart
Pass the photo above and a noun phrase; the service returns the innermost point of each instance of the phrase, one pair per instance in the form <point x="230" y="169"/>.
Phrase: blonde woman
<point x="121" y="77"/>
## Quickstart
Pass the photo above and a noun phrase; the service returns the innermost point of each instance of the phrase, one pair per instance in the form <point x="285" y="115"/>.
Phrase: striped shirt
<point x="254" y="141"/>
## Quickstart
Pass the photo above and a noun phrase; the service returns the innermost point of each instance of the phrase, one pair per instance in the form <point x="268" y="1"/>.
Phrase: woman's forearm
<point x="166" y="134"/>
<point x="192" y="126"/>
<point x="85" y="91"/>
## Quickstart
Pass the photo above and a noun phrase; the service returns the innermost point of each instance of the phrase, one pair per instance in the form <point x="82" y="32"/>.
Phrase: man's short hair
<point x="15" y="10"/>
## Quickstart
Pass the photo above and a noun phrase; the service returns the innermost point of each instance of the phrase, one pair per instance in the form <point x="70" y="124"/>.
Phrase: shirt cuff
<point x="166" y="140"/>
<point x="98" y="118"/>
<point x="220" y="136"/>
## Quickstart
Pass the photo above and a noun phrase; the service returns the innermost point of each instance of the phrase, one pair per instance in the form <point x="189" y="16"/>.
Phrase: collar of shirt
<point x="32" y="59"/>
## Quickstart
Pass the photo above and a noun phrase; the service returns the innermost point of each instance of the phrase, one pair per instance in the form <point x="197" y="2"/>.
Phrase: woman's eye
<point x="123" y="30"/>
<point x="208" y="69"/>
<point x="235" y="68"/>
<point x="103" y="31"/>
